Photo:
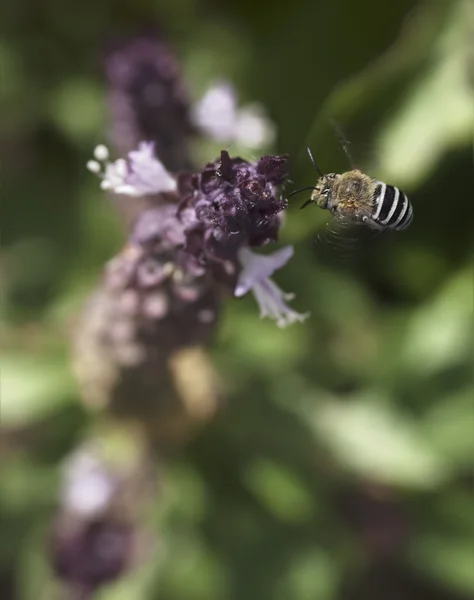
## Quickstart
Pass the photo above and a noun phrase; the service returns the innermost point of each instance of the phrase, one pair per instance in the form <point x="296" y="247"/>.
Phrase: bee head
<point x="322" y="193"/>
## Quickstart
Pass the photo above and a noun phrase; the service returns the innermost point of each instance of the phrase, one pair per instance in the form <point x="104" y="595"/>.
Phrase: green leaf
<point x="449" y="427"/>
<point x="33" y="386"/>
<point x="280" y="490"/>
<point x="314" y="575"/>
<point x="447" y="560"/>
<point x="77" y="108"/>
<point x="437" y="114"/>
<point x="440" y="333"/>
<point x="369" y="438"/>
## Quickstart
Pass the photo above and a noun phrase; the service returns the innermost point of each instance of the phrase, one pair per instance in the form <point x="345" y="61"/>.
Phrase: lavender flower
<point x="255" y="277"/>
<point x="140" y="175"/>
<point x="217" y="115"/>
<point x="235" y="203"/>
<point x="205" y="231"/>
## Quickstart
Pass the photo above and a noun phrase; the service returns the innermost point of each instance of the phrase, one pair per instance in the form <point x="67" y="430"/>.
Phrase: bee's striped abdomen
<point x="392" y="209"/>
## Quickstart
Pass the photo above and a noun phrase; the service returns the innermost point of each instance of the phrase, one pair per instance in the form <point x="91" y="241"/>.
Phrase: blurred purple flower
<point x="147" y="98"/>
<point x="96" y="534"/>
<point x="86" y="555"/>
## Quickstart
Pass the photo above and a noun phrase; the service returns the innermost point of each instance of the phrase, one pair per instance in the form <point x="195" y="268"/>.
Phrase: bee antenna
<point x="318" y="170"/>
<point x="301" y="190"/>
<point x="307" y="203"/>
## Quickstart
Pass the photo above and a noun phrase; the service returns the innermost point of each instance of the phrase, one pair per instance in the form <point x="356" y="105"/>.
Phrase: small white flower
<point x="101" y="152"/>
<point x="88" y="486"/>
<point x="217" y="114"/>
<point x="255" y="276"/>
<point x="138" y="175"/>
<point x="93" y="166"/>
<point x="253" y="128"/>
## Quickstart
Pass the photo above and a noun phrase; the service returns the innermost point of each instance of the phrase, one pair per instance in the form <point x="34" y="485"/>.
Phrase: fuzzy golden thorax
<point x="348" y="194"/>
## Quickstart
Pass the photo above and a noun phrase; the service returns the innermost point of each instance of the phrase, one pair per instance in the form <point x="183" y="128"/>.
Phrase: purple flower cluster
<point x="138" y="344"/>
<point x="205" y="224"/>
<point x="159" y="287"/>
<point x="89" y="555"/>
<point x="95" y="536"/>
<point x="235" y="204"/>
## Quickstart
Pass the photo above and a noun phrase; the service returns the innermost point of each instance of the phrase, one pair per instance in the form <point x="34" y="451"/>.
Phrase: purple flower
<point x="204" y="229"/>
<point x="92" y="553"/>
<point x="147" y="174"/>
<point x="140" y="175"/>
<point x="255" y="276"/>
<point x="235" y="203"/>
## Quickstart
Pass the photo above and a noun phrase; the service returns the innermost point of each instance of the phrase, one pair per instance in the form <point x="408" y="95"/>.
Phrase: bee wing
<point x="343" y="238"/>
<point x="343" y="142"/>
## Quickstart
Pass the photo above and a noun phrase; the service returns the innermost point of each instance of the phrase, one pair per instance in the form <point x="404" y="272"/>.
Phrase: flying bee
<point x="357" y="198"/>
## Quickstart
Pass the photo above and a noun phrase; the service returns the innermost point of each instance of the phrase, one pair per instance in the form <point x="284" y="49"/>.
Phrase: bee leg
<point x="306" y="203"/>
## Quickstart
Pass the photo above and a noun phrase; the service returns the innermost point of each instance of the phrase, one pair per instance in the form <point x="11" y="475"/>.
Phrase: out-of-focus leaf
<point x="366" y="436"/>
<point x="446" y="559"/>
<point x="139" y="583"/>
<point x="33" y="574"/>
<point x="196" y="575"/>
<point x="24" y="484"/>
<point x="449" y="426"/>
<point x="440" y="333"/>
<point x="280" y="490"/>
<point x="184" y="495"/>
<point x="29" y="264"/>
<point x="259" y="343"/>
<point x="312" y="575"/>
<point x="32" y="386"/>
<point x="77" y="108"/>
<point x="17" y="109"/>
<point x="438" y="113"/>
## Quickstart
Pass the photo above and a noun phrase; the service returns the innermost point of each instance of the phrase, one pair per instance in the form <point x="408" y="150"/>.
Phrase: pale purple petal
<point x="147" y="175"/>
<point x="216" y="112"/>
<point x="271" y="301"/>
<point x="257" y="267"/>
<point x="255" y="276"/>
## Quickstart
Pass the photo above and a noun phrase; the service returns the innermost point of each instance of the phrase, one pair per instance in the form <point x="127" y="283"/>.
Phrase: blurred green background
<point x="341" y="467"/>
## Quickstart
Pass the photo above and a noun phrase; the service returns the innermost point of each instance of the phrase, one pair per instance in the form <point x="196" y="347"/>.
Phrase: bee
<point x="357" y="198"/>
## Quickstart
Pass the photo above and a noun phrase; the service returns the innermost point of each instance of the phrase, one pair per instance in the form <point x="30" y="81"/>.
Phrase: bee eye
<point x="325" y="196"/>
